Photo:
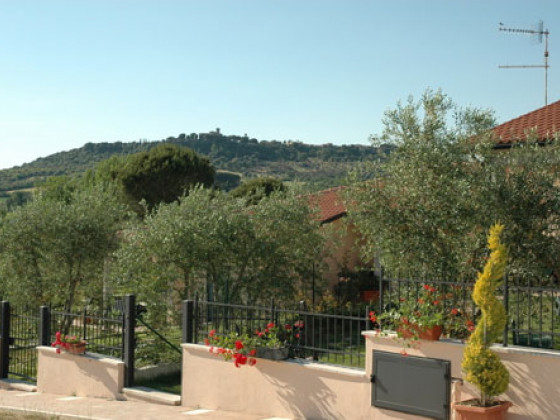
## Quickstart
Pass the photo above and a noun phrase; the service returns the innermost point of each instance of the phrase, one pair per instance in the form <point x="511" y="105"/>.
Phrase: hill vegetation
<point x="321" y="166"/>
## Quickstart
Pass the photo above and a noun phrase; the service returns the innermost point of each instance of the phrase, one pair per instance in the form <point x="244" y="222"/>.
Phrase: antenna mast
<point x="539" y="32"/>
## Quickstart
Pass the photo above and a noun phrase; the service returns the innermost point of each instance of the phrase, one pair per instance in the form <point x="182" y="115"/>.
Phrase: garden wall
<point x="299" y="389"/>
<point x="87" y="375"/>
<point x="534" y="373"/>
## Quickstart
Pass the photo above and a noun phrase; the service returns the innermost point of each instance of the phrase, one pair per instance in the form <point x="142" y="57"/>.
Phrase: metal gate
<point x="19" y="338"/>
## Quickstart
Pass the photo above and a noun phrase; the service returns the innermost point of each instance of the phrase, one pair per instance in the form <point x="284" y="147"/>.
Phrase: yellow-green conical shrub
<point x="482" y="367"/>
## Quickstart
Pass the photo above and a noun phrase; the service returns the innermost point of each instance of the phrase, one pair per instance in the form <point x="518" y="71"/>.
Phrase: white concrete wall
<point x="302" y="390"/>
<point x="89" y="375"/>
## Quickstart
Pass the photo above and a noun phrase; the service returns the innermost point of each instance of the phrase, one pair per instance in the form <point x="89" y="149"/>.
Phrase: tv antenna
<point x="538" y="32"/>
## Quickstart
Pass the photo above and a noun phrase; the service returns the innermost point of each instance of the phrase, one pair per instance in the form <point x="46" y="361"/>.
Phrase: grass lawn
<point x="170" y="383"/>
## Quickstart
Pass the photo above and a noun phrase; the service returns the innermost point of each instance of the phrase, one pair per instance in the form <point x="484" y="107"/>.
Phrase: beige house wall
<point x="302" y="390"/>
<point x="88" y="375"/>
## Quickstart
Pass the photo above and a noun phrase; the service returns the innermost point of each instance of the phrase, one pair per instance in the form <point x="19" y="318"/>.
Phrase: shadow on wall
<point x="533" y="386"/>
<point x="308" y="394"/>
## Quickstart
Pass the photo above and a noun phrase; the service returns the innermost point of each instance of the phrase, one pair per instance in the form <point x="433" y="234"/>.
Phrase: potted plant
<point x="483" y="368"/>
<point x="421" y="316"/>
<point x="71" y="344"/>
<point x="356" y="286"/>
<point x="269" y="343"/>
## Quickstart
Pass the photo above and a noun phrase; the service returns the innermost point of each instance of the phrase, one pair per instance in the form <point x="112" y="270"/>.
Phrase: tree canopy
<point x="161" y="174"/>
<point x="212" y="241"/>
<point x="254" y="190"/>
<point x="54" y="248"/>
<point x="445" y="185"/>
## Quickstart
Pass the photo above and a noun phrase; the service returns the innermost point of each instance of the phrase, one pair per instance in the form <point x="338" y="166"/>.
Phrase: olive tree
<point x="54" y="250"/>
<point x="211" y="240"/>
<point x="430" y="203"/>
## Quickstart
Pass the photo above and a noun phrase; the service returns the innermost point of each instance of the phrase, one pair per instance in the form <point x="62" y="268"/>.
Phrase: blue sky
<point x="319" y="71"/>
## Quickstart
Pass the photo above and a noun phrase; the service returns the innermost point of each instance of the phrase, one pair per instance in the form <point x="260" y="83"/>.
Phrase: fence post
<point x="273" y="317"/>
<point x="44" y="326"/>
<point x="5" y="340"/>
<point x="379" y="273"/>
<point x="129" y="339"/>
<point x="188" y="321"/>
<point x="506" y="305"/>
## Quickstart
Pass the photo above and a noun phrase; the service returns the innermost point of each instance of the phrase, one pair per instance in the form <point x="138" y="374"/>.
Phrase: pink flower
<point x="212" y="333"/>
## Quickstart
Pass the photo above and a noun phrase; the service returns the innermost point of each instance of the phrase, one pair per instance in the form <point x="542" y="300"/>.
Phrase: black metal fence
<point x="329" y="338"/>
<point x="103" y="331"/>
<point x="109" y="333"/>
<point x="19" y="341"/>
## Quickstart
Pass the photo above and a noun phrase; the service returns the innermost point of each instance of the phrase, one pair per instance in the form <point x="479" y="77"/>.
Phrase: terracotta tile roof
<point x="544" y="121"/>
<point x="330" y="204"/>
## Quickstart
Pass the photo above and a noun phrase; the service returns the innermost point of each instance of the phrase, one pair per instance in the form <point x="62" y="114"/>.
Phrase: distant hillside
<point x="321" y="165"/>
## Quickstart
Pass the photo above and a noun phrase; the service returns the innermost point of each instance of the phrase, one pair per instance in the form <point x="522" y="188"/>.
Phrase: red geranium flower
<point x="239" y="359"/>
<point x="270" y="325"/>
<point x="238" y="345"/>
<point x="454" y="311"/>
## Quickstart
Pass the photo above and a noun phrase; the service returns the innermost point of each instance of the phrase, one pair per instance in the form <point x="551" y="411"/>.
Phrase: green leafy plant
<point x="242" y="348"/>
<point x="65" y="341"/>
<point x="426" y="309"/>
<point x="483" y="368"/>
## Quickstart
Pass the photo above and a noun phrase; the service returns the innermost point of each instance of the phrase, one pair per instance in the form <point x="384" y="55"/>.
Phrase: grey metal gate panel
<point x="415" y="385"/>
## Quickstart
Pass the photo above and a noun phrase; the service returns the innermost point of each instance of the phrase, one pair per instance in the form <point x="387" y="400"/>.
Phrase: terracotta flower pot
<point x="424" y="333"/>
<point x="466" y="411"/>
<point x="369" y="295"/>
<point x="76" y="348"/>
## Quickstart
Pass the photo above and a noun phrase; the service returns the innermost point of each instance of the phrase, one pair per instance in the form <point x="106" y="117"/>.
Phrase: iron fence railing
<point x="532" y="305"/>
<point x="328" y="338"/>
<point x="103" y="331"/>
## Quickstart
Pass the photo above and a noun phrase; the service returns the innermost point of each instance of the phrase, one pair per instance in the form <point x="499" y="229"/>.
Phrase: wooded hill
<point x="321" y="166"/>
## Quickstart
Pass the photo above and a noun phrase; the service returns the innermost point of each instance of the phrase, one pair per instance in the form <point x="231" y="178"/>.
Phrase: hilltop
<point x="319" y="165"/>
